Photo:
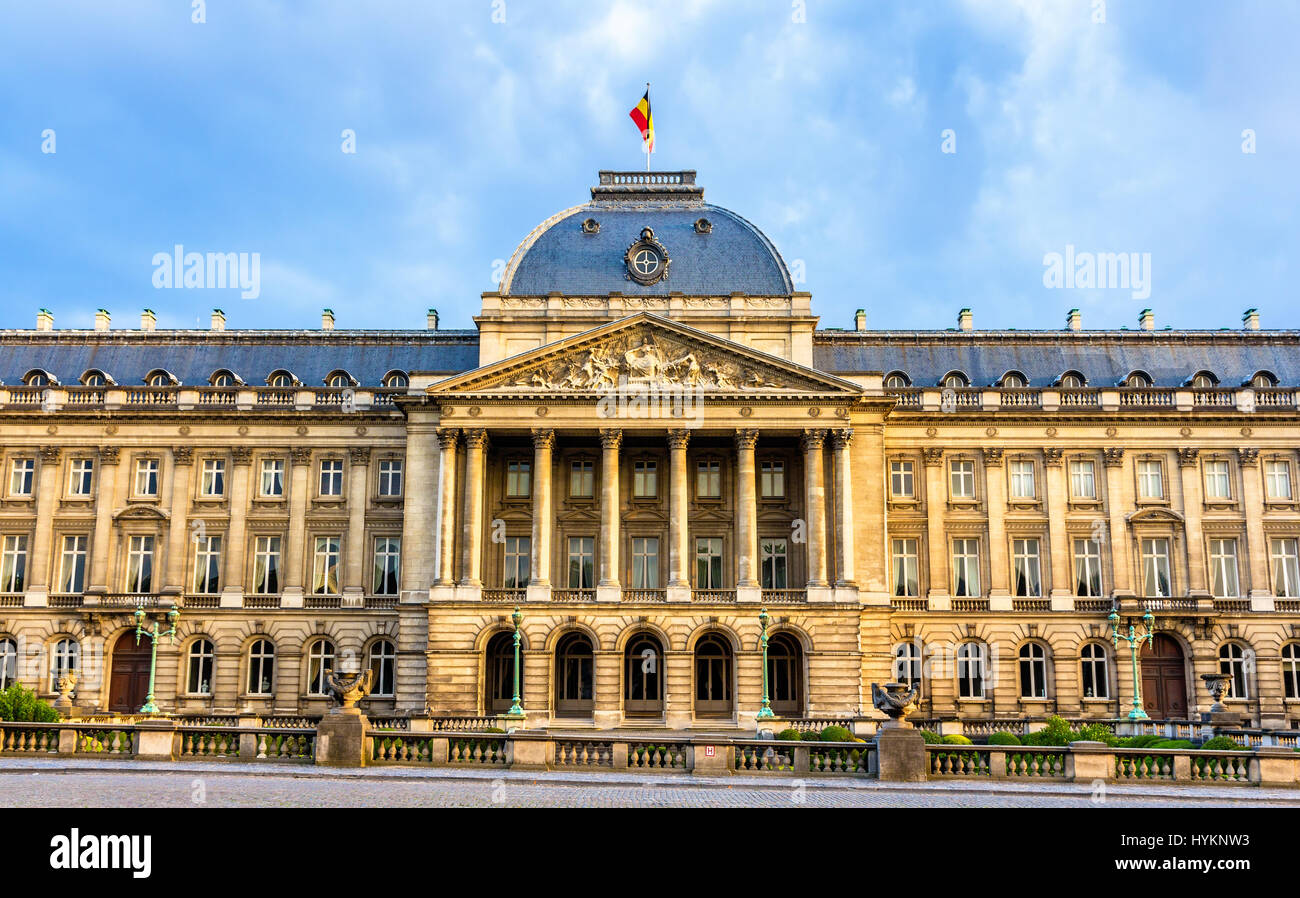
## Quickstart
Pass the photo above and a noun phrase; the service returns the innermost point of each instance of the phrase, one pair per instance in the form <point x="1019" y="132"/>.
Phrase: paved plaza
<point x="109" y="784"/>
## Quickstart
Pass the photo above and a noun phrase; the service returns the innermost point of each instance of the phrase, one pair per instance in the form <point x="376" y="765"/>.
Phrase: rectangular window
<point x="1022" y="479"/>
<point x="81" y="475"/>
<point x="582" y="479"/>
<point x="1087" y="567"/>
<point x="708" y="562"/>
<point x="645" y="479"/>
<point x="388" y="565"/>
<point x="139" y="564"/>
<point x="1223" y="568"/>
<point x="22" y="476"/>
<point x="1155" y="568"/>
<point x="961" y="475"/>
<point x="213" y="481"/>
<point x="902" y="483"/>
<point x="1151" y="481"/>
<point x="582" y="562"/>
<point x="390" y="477"/>
<point x="906" y="564"/>
<point x="207" y="565"/>
<point x="518" y="558"/>
<point x="331" y="477"/>
<point x="773" y="554"/>
<point x="645" y="562"/>
<point x="266" y="565"/>
<point x="325" y="566"/>
<point x="1286" y="568"/>
<point x="13" y="563"/>
<point x="272" y="480"/>
<point x="708" y="479"/>
<point x="519" y="479"/>
<point x="771" y="479"/>
<point x="72" y="565"/>
<point x="1027" y="567"/>
<point x="1083" y="479"/>
<point x="1277" y="479"/>
<point x="1217" y="485"/>
<point x="965" y="567"/>
<point x="146" y="476"/>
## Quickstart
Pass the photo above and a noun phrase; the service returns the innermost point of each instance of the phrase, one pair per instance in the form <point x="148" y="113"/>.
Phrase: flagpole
<point x="648" y="148"/>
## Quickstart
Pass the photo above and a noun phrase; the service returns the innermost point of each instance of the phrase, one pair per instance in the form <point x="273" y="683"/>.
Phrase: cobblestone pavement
<point x="108" y="784"/>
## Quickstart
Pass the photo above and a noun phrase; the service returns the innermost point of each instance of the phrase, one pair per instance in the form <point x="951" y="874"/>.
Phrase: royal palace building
<point x="650" y="449"/>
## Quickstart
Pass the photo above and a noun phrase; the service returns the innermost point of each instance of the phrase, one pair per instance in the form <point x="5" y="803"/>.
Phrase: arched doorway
<point x="499" y="674"/>
<point x="643" y="677"/>
<point x="785" y="675"/>
<point x="574" y="670"/>
<point x="128" y="685"/>
<point x="1164" y="679"/>
<point x="713" y="674"/>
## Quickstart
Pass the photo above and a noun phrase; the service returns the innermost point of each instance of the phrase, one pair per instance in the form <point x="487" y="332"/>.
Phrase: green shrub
<point x="811" y="736"/>
<point x="1140" y="741"/>
<point x="956" y="739"/>
<point x="1002" y="737"/>
<point x="1223" y="743"/>
<point x="836" y="734"/>
<point x="492" y="730"/>
<point x="1173" y="743"/>
<point x="931" y="737"/>
<point x="18" y="703"/>
<point x="1096" y="732"/>
<point x="789" y="735"/>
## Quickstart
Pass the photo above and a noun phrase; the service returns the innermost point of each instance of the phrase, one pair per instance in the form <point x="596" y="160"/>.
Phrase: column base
<point x="1063" y="602"/>
<point x="414" y="596"/>
<point x="609" y="593"/>
<point x="1000" y="602"/>
<point x="36" y="597"/>
<point x="353" y="597"/>
<point x="291" y="597"/>
<point x="678" y="593"/>
<point x="469" y="592"/>
<point x="901" y="756"/>
<point x="820" y="594"/>
<point x="846" y="592"/>
<point x="538" y="592"/>
<point x="233" y="597"/>
<point x="752" y="594"/>
<point x="442" y="592"/>
<point x="1262" y="601"/>
<point x="937" y="601"/>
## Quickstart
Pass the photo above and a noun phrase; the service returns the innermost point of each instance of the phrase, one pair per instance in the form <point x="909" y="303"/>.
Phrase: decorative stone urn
<point x="341" y="734"/>
<point x="66" y="684"/>
<point x="900" y="749"/>
<point x="897" y="701"/>
<point x="349" y="688"/>
<point x="1217" y="684"/>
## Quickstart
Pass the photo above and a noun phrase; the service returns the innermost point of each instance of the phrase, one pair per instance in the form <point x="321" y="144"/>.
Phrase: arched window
<point x="280" y="378"/>
<point x="955" y="380"/>
<point x="500" y="673"/>
<point x="897" y="380"/>
<point x="8" y="663"/>
<point x="1033" y="671"/>
<point x="643" y="677"/>
<point x="713" y="672"/>
<point x="785" y="675"/>
<point x="159" y="378"/>
<point x="94" y="378"/>
<point x="1232" y="664"/>
<point x="339" y="379"/>
<point x="37" y="378"/>
<point x="970" y="670"/>
<point x="1094" y="675"/>
<point x="1204" y="380"/>
<point x="1073" y="380"/>
<point x="63" y="661"/>
<point x="383" y="667"/>
<point x="1013" y="380"/>
<point x="1290" y="669"/>
<point x="319" y="659"/>
<point x="396" y="379"/>
<point x="223" y="378"/>
<point x="198" y="676"/>
<point x="574" y="670"/>
<point x="1263" y="379"/>
<point x="261" y="668"/>
<point x="1138" y="379"/>
<point x="907" y="663"/>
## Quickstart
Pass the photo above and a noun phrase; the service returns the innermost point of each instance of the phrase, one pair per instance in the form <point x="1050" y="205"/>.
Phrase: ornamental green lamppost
<point x="153" y="633"/>
<point x="1135" y="647"/>
<point x="516" y="710"/>
<point x="765" y="712"/>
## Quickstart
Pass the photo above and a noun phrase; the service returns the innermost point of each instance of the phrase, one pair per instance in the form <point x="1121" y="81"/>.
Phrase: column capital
<point x="746" y="439"/>
<point x="992" y="456"/>
<point x="183" y="455"/>
<point x="476" y="438"/>
<point x="678" y="438"/>
<point x="50" y="454"/>
<point x="447" y="437"/>
<point x="1248" y="457"/>
<point x="812" y="439"/>
<point x="360" y="455"/>
<point x="300" y="455"/>
<point x="108" y="455"/>
<point x="611" y="437"/>
<point x="241" y="455"/>
<point x="1053" y="455"/>
<point x="842" y="438"/>
<point x="1187" y="456"/>
<point x="933" y="457"/>
<point x="543" y="438"/>
<point x="1112" y="456"/>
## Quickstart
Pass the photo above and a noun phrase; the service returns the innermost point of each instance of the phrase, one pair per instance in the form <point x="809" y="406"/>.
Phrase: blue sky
<point x="225" y="136"/>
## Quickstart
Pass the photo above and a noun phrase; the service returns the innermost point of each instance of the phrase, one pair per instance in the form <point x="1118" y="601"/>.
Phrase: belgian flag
<point x="645" y="121"/>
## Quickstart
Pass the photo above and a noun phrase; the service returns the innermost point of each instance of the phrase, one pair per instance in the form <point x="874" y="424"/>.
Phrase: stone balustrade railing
<point x="184" y="397"/>
<point x="157" y="739"/>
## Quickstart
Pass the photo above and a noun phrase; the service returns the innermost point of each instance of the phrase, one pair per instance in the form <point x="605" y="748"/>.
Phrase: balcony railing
<point x="1013" y="397"/>
<point x="129" y="600"/>
<point x="645" y="595"/>
<point x="201" y="601"/>
<point x="1146" y="397"/>
<point x="11" y="600"/>
<point x="323" y="602"/>
<point x="1075" y="397"/>
<point x="149" y="396"/>
<point x="504" y="595"/>
<point x="714" y="595"/>
<point x="573" y="595"/>
<point x="907" y="397"/>
<point x="65" y="600"/>
<point x="262" y="601"/>
<point x="1214" y="398"/>
<point x="784" y="596"/>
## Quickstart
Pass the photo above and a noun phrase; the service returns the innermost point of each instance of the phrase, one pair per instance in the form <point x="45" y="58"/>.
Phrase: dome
<point x="705" y="250"/>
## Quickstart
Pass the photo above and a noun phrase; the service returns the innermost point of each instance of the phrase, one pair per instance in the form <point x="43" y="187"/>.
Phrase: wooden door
<point x="129" y="683"/>
<point x="1164" y="679"/>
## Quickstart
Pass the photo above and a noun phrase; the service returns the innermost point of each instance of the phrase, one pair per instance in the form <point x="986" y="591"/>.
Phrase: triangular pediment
<point x="645" y="351"/>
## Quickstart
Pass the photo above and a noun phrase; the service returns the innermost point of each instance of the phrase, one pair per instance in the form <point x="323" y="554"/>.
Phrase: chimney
<point x="1147" y="320"/>
<point x="1250" y="320"/>
<point x="431" y="320"/>
<point x="860" y="320"/>
<point x="965" y="320"/>
<point x="45" y="320"/>
<point x="1073" y="320"/>
<point x="218" y="320"/>
<point x="102" y="318"/>
<point x="327" y="319"/>
<point x="148" y="320"/>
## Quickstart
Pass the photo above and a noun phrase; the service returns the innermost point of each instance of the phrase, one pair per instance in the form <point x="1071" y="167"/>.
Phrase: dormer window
<point x="1013" y="380"/>
<point x="1204" y="380"/>
<point x="1073" y="380"/>
<point x="955" y="380"/>
<point x="224" y="378"/>
<point x="396" y="379"/>
<point x="339" y="379"/>
<point x="1263" y="380"/>
<point x="281" y="378"/>
<point x="896" y="380"/>
<point x="39" y="377"/>
<point x="95" y="378"/>
<point x="160" y="378"/>
<point x="1138" y="379"/>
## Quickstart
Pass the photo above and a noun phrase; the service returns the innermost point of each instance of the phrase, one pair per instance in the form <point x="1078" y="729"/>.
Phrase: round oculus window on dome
<point x="646" y="259"/>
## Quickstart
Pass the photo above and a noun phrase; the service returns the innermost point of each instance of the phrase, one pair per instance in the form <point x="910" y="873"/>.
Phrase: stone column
<point x="1189" y="469"/>
<point x="1121" y="573"/>
<point x="1252" y="500"/>
<point x="472" y="559"/>
<point x="447" y="437"/>
<point x="354" y="548"/>
<point x="106" y="496"/>
<point x="419" y="513"/>
<point x="291" y="573"/>
<point x="539" y="583"/>
<point x="39" y="575"/>
<point x="180" y="544"/>
<point x="935" y="536"/>
<point x="232" y="591"/>
<point x="842" y="440"/>
<point x="995" y="496"/>
<point x="814" y="479"/>
<point x="608" y="588"/>
<point x="747" y="562"/>
<point x="679" y="552"/>
<point x="1056" y="496"/>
